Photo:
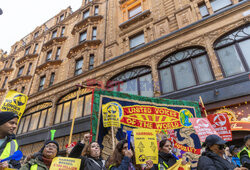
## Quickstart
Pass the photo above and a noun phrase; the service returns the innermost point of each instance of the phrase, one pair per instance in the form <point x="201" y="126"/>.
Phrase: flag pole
<point x="74" y="115"/>
<point x="113" y="138"/>
<point x="203" y="106"/>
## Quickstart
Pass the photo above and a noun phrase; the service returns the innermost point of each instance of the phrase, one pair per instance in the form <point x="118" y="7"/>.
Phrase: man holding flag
<point x="8" y="144"/>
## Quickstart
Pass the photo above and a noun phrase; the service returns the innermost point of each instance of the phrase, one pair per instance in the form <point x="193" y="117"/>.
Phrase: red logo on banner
<point x="221" y="124"/>
<point x="203" y="128"/>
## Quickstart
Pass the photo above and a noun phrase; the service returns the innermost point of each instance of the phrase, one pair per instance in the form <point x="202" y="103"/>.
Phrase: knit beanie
<point x="7" y="116"/>
<point x="50" y="141"/>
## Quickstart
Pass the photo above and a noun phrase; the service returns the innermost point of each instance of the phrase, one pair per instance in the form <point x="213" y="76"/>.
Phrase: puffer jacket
<point x="40" y="165"/>
<point x="212" y="161"/>
<point x="165" y="161"/>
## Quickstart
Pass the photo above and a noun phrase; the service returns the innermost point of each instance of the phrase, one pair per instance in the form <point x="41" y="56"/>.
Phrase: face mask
<point x="221" y="147"/>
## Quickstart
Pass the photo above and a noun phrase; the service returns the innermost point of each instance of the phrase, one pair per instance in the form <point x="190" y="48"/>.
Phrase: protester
<point x="166" y="158"/>
<point x="234" y="151"/>
<point x="123" y="158"/>
<point x="8" y="144"/>
<point x="43" y="158"/>
<point x="227" y="155"/>
<point x="92" y="155"/>
<point x="244" y="154"/>
<point x="212" y="158"/>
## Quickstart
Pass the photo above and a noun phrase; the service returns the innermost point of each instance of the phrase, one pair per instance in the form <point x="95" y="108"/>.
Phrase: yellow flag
<point x="14" y="102"/>
<point x="179" y="166"/>
<point x="65" y="163"/>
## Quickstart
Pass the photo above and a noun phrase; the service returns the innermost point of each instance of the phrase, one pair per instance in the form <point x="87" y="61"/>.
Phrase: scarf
<point x="47" y="161"/>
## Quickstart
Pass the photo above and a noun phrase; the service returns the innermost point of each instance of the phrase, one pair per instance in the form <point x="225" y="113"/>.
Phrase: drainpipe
<point x="105" y="32"/>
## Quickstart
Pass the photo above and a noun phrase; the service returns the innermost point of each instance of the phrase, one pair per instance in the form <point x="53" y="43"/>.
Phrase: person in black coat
<point x="92" y="154"/>
<point x="212" y="158"/>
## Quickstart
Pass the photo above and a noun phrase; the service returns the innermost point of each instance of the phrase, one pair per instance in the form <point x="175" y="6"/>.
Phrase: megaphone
<point x="16" y="156"/>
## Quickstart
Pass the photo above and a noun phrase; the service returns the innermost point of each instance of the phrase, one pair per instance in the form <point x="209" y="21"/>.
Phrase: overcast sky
<point x="20" y="17"/>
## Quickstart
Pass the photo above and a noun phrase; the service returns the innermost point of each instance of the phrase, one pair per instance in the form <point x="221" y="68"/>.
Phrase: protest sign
<point x="221" y="124"/>
<point x="111" y="114"/>
<point x="63" y="163"/>
<point x="145" y="146"/>
<point x="186" y="148"/>
<point x="73" y="144"/>
<point x="179" y="166"/>
<point x="203" y="128"/>
<point x="14" y="102"/>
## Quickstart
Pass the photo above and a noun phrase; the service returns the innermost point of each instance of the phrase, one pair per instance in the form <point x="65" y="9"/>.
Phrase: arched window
<point x="135" y="81"/>
<point x="35" y="118"/>
<point x="233" y="51"/>
<point x="65" y="106"/>
<point x="184" y="69"/>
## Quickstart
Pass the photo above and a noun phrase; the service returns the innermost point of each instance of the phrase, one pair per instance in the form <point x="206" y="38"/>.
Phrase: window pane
<point x="79" y="108"/>
<point x="83" y="36"/>
<point x="218" y="4"/>
<point x="203" y="10"/>
<point x="34" y="121"/>
<point x="146" y="86"/>
<point x="87" y="106"/>
<point x="20" y="125"/>
<point x="130" y="87"/>
<point x="66" y="108"/>
<point x="85" y="14"/>
<point x="230" y="61"/>
<point x="203" y="69"/>
<point x="166" y="80"/>
<point x="244" y="45"/>
<point x="49" y="117"/>
<point x="137" y="40"/>
<point x="42" y="119"/>
<point x="134" y="11"/>
<point x="27" y="121"/>
<point x="58" y="113"/>
<point x="184" y="75"/>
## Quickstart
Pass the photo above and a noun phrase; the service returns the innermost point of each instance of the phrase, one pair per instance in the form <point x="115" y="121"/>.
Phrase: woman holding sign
<point x="92" y="154"/>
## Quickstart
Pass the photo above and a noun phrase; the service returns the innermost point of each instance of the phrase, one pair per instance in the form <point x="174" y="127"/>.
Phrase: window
<point x="203" y="10"/>
<point x="36" y="34"/>
<point x="27" y="51"/>
<point x="91" y="61"/>
<point x="134" y="11"/>
<point x="58" y="53"/>
<point x="66" y="106"/>
<point x="233" y="51"/>
<point x="52" y="78"/>
<point x="94" y="33"/>
<point x="35" y="118"/>
<point x="184" y="69"/>
<point x="96" y="10"/>
<point x="78" y="67"/>
<point x="35" y="49"/>
<point x="23" y="89"/>
<point x="6" y="63"/>
<point x="12" y="61"/>
<point x="62" y="17"/>
<point x="86" y="14"/>
<point x="41" y="84"/>
<point x="136" y="81"/>
<point x="15" y="48"/>
<point x="29" y="68"/>
<point x="219" y="4"/>
<point x="20" y="71"/>
<point x="4" y="83"/>
<point x="136" y="40"/>
<point x="62" y="32"/>
<point x="48" y="57"/>
<point x="54" y="34"/>
<point x="83" y="36"/>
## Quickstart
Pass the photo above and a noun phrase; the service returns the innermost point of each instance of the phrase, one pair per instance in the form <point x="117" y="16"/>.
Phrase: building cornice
<point x="48" y="64"/>
<point x="26" y="58"/>
<point x="20" y="79"/>
<point x="53" y="41"/>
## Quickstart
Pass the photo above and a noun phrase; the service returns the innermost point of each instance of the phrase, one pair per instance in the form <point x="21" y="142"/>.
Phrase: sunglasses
<point x="221" y="147"/>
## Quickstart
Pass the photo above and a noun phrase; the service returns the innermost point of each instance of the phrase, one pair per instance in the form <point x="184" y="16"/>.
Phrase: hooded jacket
<point x="212" y="161"/>
<point x="12" y="163"/>
<point x="165" y="160"/>
<point x="87" y="163"/>
<point x="37" y="161"/>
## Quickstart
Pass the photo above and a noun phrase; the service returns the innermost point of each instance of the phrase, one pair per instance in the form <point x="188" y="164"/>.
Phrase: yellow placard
<point x="64" y="163"/>
<point x="111" y="114"/>
<point x="178" y="165"/>
<point x="145" y="146"/>
<point x="14" y="102"/>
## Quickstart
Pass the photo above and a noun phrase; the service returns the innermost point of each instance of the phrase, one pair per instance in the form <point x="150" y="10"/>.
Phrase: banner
<point x="221" y="124"/>
<point x="179" y="166"/>
<point x="145" y="146"/>
<point x="203" y="128"/>
<point x="63" y="163"/>
<point x="110" y="114"/>
<point x="186" y="148"/>
<point x="14" y="102"/>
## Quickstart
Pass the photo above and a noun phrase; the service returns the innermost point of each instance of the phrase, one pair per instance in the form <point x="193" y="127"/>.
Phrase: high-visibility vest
<point x="34" y="167"/>
<point x="244" y="149"/>
<point x="10" y="148"/>
<point x="162" y="167"/>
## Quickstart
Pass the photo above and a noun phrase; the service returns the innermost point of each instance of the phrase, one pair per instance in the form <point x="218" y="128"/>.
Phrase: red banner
<point x="186" y="148"/>
<point x="221" y="124"/>
<point x="203" y="128"/>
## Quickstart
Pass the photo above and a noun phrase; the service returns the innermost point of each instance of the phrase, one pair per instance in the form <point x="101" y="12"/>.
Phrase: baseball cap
<point x="214" y="139"/>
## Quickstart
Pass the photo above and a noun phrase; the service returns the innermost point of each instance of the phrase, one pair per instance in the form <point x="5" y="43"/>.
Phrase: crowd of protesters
<point x="217" y="156"/>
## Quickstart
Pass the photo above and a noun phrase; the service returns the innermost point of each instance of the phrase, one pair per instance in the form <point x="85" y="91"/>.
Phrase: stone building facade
<point x="176" y="49"/>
